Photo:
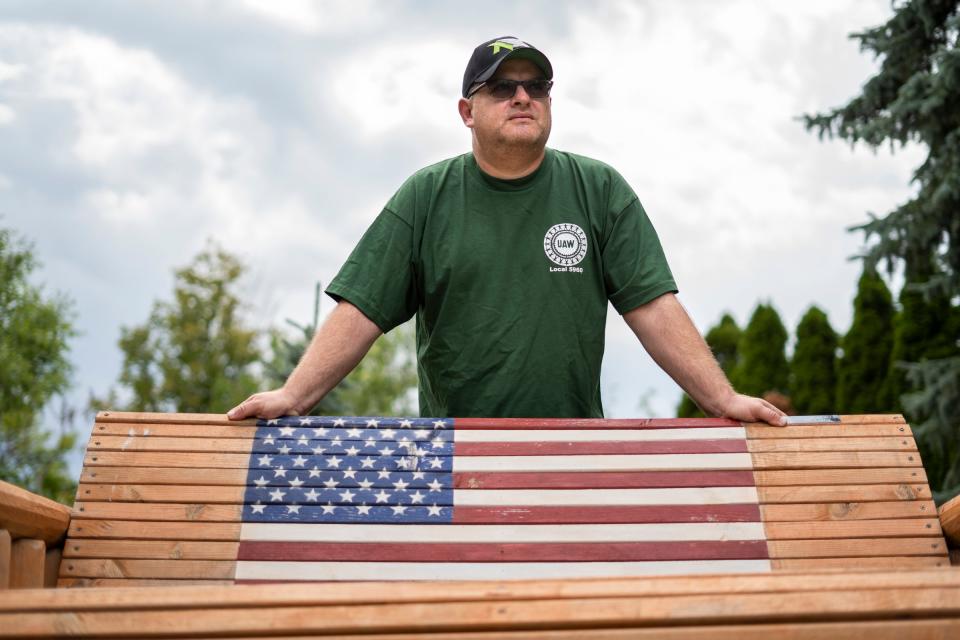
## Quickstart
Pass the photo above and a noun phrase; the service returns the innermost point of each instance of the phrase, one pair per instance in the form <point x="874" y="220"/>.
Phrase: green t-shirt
<point x="509" y="280"/>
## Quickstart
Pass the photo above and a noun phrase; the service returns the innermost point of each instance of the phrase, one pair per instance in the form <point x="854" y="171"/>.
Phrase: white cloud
<point x="7" y="115"/>
<point x="316" y="17"/>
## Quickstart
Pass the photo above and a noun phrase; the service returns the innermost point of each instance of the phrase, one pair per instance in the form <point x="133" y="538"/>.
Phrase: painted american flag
<point x="338" y="498"/>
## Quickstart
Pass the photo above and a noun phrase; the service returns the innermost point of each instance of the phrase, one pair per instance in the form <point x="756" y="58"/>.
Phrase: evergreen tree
<point x="915" y="98"/>
<point x="384" y="383"/>
<point x="862" y="373"/>
<point x="813" y="369"/>
<point x="34" y="334"/>
<point x="192" y="354"/>
<point x="762" y="365"/>
<point x="925" y="328"/>
<point x="722" y="340"/>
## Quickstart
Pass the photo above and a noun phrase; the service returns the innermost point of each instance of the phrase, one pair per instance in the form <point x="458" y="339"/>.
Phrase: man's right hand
<point x="266" y="405"/>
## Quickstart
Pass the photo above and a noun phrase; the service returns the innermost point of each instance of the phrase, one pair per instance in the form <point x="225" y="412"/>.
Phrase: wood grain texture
<point x="950" y="520"/>
<point x="809" y="477"/>
<point x="151" y="549"/>
<point x="51" y="567"/>
<point x="27" y="515"/>
<point x="139" y="568"/>
<point x="137" y="530"/>
<point x="830" y="431"/>
<point x="872" y="604"/>
<point x="855" y="548"/>
<point x="27" y="557"/>
<point x="846" y="511"/>
<point x="5" y="549"/>
<point x="325" y="593"/>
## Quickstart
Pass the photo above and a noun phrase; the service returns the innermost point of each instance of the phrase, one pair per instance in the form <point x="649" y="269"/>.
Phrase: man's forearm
<point x="672" y="340"/>
<point x="336" y="348"/>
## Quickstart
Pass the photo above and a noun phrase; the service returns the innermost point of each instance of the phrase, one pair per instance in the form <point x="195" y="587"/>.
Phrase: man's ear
<point x="466" y="112"/>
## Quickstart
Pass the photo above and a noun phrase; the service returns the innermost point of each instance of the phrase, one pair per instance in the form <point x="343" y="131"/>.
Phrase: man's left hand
<point x="749" y="409"/>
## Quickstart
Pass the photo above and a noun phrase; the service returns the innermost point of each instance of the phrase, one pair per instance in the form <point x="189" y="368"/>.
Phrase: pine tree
<point x="862" y="373"/>
<point x="722" y="340"/>
<point x="762" y="365"/>
<point x="813" y="369"/>
<point x="915" y="98"/>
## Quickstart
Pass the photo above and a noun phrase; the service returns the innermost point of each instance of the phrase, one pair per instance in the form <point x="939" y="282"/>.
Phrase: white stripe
<point x="598" y="435"/>
<point x="677" y="461"/>
<point x="531" y="497"/>
<point x="257" y="570"/>
<point x="294" y="532"/>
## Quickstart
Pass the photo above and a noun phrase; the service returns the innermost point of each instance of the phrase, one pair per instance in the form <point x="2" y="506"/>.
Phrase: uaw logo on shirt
<point x="565" y="245"/>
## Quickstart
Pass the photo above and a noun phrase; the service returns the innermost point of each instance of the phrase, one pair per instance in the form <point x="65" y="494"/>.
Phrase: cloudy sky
<point x="133" y="133"/>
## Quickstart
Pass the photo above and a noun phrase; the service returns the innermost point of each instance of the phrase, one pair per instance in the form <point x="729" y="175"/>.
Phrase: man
<point x="508" y="256"/>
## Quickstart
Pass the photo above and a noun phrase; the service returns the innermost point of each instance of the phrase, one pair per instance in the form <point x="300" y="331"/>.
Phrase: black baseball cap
<point x="487" y="57"/>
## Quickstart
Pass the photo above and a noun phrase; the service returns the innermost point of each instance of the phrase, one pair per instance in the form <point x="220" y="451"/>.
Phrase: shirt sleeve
<point x="378" y="277"/>
<point x="635" y="269"/>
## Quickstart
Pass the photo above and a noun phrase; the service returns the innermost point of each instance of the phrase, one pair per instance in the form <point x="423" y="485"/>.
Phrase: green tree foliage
<point x="813" y="369"/>
<point x="915" y="98"/>
<point x="34" y="333"/>
<point x="762" y="363"/>
<point x="192" y="354"/>
<point x="925" y="329"/>
<point x="862" y="373"/>
<point x="384" y="383"/>
<point x="723" y="340"/>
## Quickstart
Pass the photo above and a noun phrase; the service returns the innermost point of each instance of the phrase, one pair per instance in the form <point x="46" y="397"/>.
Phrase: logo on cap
<point x="500" y="44"/>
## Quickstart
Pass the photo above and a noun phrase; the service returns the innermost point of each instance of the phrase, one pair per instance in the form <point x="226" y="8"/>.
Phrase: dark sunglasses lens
<point x="503" y="89"/>
<point x="537" y="88"/>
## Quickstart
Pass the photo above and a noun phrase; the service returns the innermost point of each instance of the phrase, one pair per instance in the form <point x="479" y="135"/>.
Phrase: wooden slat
<point x="916" y="527"/>
<point x="890" y="563"/>
<point x="135" y="530"/>
<point x="160" y="493"/>
<point x="804" y="445"/>
<point x="5" y="549"/>
<point x="153" y="569"/>
<point x="488" y="616"/>
<point x="850" y="493"/>
<point x="801" y="477"/>
<point x="855" y="547"/>
<point x="320" y="593"/>
<point x="26" y="515"/>
<point x="159" y="443"/>
<point x="51" y="567"/>
<point x="181" y="430"/>
<point x="846" y="511"/>
<point x="69" y="583"/>
<point x="164" y="475"/>
<point x="151" y="549"/>
<point x="27" y="557"/>
<point x="161" y="511"/>
<point x="810" y="477"/>
<point x="169" y="459"/>
<point x="830" y="431"/>
<point x="845" y="420"/>
<point x="851" y="459"/>
<point x="950" y="520"/>
<point x="171" y="418"/>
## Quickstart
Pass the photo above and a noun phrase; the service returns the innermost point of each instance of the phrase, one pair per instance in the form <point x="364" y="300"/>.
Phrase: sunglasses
<point x="503" y="89"/>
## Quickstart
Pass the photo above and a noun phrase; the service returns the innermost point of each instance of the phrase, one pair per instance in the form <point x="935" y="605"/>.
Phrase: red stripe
<point x="633" y="513"/>
<point x="590" y="423"/>
<point x="510" y="552"/>
<point x="593" y="447"/>
<point x="601" y="479"/>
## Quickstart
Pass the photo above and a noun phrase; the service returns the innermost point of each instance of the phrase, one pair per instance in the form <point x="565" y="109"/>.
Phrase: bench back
<point x="191" y="498"/>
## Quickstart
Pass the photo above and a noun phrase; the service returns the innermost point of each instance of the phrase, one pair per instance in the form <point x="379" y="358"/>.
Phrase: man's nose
<point x="520" y="96"/>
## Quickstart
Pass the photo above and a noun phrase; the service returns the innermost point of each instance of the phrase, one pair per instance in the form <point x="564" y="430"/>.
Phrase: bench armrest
<point x="950" y="520"/>
<point x="27" y="515"/>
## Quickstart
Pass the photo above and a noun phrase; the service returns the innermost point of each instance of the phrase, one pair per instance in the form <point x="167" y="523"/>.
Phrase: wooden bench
<point x="851" y="543"/>
<point x="183" y="499"/>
